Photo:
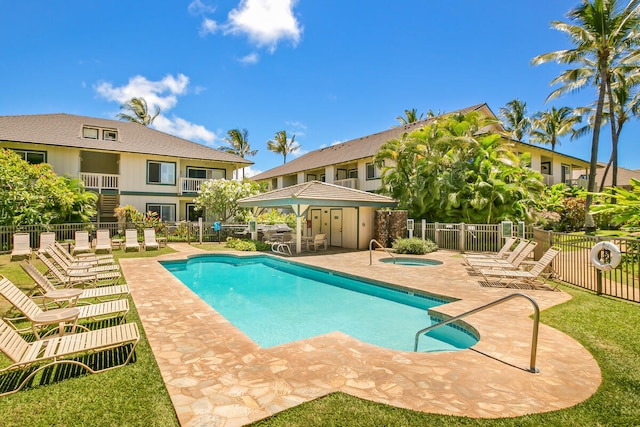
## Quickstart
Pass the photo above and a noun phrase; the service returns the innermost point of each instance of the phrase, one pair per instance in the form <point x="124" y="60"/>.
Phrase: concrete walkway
<point x="217" y="376"/>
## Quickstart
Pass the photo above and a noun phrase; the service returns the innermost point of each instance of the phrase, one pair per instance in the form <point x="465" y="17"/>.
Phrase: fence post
<point x="200" y="229"/>
<point x="437" y="232"/>
<point x="424" y="230"/>
<point x="462" y="237"/>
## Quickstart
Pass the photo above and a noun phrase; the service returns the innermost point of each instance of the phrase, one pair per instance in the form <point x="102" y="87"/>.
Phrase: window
<point x="373" y="171"/>
<point x="33" y="157"/>
<point x="322" y="178"/>
<point x="161" y="173"/>
<point x="311" y="177"/>
<point x="167" y="213"/>
<point x="193" y="213"/>
<point x="341" y="174"/>
<point x="204" y="173"/>
<point x="353" y="173"/>
<point x="565" y="174"/>
<point x="109" y="135"/>
<point x="90" y="133"/>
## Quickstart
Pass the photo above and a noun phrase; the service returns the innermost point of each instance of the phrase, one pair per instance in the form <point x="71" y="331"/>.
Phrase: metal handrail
<point x="383" y="248"/>
<point x="536" y="321"/>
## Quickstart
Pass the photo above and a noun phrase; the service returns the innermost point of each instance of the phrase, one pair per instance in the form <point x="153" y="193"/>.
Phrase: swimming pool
<point x="410" y="261"/>
<point x="275" y="302"/>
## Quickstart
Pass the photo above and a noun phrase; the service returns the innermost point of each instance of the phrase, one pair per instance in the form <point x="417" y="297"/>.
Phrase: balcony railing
<point x="100" y="181"/>
<point x="190" y="185"/>
<point x="349" y="183"/>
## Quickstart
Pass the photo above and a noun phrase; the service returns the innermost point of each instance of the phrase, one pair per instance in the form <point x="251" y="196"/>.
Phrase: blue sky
<point x="325" y="70"/>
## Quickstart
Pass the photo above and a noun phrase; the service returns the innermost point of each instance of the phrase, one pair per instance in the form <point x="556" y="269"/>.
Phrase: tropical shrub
<point x="272" y="216"/>
<point x="626" y="211"/>
<point x="130" y="215"/>
<point x="562" y="208"/>
<point x="450" y="171"/>
<point x="220" y="199"/>
<point x="414" y="246"/>
<point x="246" y="245"/>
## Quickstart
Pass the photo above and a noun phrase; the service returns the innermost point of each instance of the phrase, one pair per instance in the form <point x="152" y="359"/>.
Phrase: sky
<point x="326" y="71"/>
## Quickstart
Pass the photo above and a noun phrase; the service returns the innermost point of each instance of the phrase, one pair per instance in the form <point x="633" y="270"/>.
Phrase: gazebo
<point x="299" y="198"/>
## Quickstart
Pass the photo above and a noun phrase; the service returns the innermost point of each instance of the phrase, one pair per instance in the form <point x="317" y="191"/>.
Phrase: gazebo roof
<point x="316" y="193"/>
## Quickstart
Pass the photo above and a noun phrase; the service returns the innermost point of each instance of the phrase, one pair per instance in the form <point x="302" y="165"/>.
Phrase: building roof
<point x="355" y="149"/>
<point x="65" y="130"/>
<point x="316" y="193"/>
<point x="624" y="175"/>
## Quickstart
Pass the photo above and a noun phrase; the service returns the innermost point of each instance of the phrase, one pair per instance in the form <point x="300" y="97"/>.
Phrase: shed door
<point x="336" y="228"/>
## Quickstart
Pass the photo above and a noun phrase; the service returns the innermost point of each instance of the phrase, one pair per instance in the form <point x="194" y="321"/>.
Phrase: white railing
<point x="548" y="180"/>
<point x="349" y="183"/>
<point x="101" y="181"/>
<point x="190" y="185"/>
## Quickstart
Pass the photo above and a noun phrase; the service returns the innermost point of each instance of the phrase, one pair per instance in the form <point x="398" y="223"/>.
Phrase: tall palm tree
<point x="515" y="120"/>
<point x="282" y="144"/>
<point x="238" y="140"/>
<point x="549" y="125"/>
<point x="600" y="30"/>
<point x="137" y="112"/>
<point x="410" y="116"/>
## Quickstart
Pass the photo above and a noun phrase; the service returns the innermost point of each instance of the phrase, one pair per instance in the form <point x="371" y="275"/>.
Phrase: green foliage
<point x="34" y="194"/>
<point x="449" y="172"/>
<point x="272" y="217"/>
<point x="562" y="208"/>
<point x="246" y="245"/>
<point x="414" y="246"/>
<point x="130" y="215"/>
<point x="626" y="210"/>
<point x="220" y="198"/>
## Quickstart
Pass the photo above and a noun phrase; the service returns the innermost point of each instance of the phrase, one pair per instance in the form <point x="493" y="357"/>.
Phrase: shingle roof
<point x="66" y="130"/>
<point x="355" y="149"/>
<point x="317" y="193"/>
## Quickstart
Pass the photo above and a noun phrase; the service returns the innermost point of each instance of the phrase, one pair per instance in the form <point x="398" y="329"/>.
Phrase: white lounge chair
<point x="103" y="241"/>
<point x="47" y="238"/>
<point x="82" y="242"/>
<point x="150" y="241"/>
<point x="503" y="253"/>
<point x="59" y="296"/>
<point x="78" y="277"/>
<point x="87" y="258"/>
<point x="64" y="350"/>
<point x="40" y="319"/>
<point x="530" y="278"/>
<point x="511" y="263"/>
<point x="131" y="240"/>
<point x="21" y="246"/>
<point x="471" y="261"/>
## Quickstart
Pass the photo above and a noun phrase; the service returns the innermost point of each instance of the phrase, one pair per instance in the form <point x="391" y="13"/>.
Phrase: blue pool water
<point x="276" y="302"/>
<point x="410" y="261"/>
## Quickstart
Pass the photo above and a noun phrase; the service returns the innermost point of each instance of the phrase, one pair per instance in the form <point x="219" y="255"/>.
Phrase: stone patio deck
<point x="217" y="376"/>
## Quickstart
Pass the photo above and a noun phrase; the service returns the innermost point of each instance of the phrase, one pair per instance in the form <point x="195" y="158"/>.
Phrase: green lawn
<point x="135" y="394"/>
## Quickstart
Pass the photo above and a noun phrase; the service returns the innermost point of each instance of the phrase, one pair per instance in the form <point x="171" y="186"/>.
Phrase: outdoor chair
<point x="150" y="241"/>
<point x="103" y="241"/>
<point x="503" y="253"/>
<point x="79" y="265"/>
<point x="529" y="278"/>
<point x="90" y="258"/>
<point x="82" y="242"/>
<point x="131" y="240"/>
<point x="318" y="240"/>
<point x="78" y="277"/>
<point x="58" y="297"/>
<point x="47" y="238"/>
<point x="479" y="260"/>
<point x="61" y="317"/>
<point x="511" y="263"/>
<point x="65" y="349"/>
<point x="21" y="246"/>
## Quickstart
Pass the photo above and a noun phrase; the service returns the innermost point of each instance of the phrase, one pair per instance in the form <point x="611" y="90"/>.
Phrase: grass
<point x="136" y="395"/>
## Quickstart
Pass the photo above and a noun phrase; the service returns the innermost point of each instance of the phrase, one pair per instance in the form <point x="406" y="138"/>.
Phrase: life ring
<point x="614" y="256"/>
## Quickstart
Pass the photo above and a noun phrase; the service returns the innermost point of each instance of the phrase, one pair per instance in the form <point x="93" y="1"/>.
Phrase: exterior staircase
<point x="106" y="205"/>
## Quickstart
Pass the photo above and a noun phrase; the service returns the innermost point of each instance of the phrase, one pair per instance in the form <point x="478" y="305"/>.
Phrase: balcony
<point x="190" y="185"/>
<point x="100" y="181"/>
<point x="349" y="183"/>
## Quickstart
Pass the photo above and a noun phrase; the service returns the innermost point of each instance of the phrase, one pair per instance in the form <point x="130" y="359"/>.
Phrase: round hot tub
<point x="410" y="261"/>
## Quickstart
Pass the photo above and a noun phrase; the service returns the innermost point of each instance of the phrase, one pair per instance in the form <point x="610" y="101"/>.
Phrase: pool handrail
<point x="536" y="321"/>
<point x="383" y="248"/>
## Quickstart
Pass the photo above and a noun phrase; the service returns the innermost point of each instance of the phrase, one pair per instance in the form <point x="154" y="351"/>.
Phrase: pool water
<point x="410" y="261"/>
<point x="275" y="302"/>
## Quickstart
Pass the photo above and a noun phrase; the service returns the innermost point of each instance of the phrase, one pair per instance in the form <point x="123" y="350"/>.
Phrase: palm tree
<point x="548" y="126"/>
<point x="238" y="140"/>
<point x="282" y="144"/>
<point x="138" y="112"/>
<point x="515" y="120"/>
<point x="410" y="116"/>
<point x="600" y="31"/>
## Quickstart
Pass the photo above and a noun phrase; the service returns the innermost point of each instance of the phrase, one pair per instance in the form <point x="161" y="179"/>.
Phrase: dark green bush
<point x="414" y="246"/>
<point x="247" y="245"/>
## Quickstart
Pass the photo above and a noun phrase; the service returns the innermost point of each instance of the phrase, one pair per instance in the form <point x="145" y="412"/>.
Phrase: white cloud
<point x="251" y="58"/>
<point x="196" y="7"/>
<point x="184" y="129"/>
<point x="298" y="129"/>
<point x="164" y="94"/>
<point x="265" y="22"/>
<point x="250" y="171"/>
<point x="208" y="26"/>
